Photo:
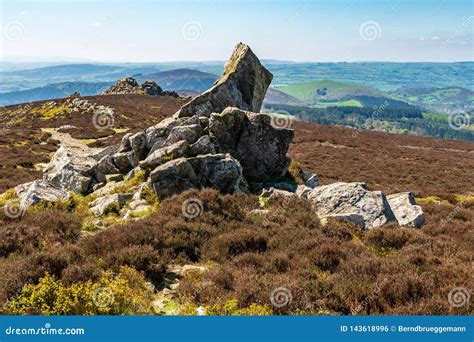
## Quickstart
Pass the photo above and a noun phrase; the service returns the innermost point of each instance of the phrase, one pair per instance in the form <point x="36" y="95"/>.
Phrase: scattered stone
<point x="108" y="204"/>
<point x="243" y="85"/>
<point x="351" y="202"/>
<point x="406" y="212"/>
<point x="70" y="170"/>
<point x="39" y="191"/>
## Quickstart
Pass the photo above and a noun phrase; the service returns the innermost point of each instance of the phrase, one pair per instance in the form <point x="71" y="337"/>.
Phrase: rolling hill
<point x="53" y="91"/>
<point x="181" y="79"/>
<point x="317" y="92"/>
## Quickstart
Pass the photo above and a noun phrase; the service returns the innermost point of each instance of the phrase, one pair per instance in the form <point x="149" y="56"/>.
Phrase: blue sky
<point x="154" y="30"/>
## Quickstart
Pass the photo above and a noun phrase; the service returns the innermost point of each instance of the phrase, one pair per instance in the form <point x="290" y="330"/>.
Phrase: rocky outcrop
<point x="215" y="141"/>
<point x="243" y="85"/>
<point x="125" y="85"/>
<point x="109" y="203"/>
<point x="351" y="202"/>
<point x="406" y="212"/>
<point x="251" y="139"/>
<point x="129" y="85"/>
<point x="39" y="191"/>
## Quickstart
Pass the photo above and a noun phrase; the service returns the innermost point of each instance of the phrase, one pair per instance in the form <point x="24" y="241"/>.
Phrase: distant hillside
<point x="181" y="79"/>
<point x="275" y="96"/>
<point x="438" y="99"/>
<point x="318" y="92"/>
<point x="53" y="91"/>
<point x="68" y="70"/>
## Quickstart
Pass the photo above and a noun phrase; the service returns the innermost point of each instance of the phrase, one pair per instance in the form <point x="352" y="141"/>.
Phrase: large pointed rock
<point x="242" y="85"/>
<point x="351" y="202"/>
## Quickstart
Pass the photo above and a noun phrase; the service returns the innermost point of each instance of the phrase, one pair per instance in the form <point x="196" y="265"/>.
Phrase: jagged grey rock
<point x="133" y="172"/>
<point x="351" y="202"/>
<point x="251" y="139"/>
<point x="70" y="170"/>
<point x="157" y="157"/>
<point x="125" y="143"/>
<point x="39" y="191"/>
<point x="218" y="171"/>
<point x="406" y="212"/>
<point x="138" y="144"/>
<point x="190" y="133"/>
<point x="125" y="161"/>
<point x="203" y="145"/>
<point x="243" y="85"/>
<point x="109" y="203"/>
<point x="173" y="177"/>
<point x="107" y="166"/>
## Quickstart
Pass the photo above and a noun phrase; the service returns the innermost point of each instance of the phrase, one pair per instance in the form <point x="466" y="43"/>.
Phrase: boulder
<point x="190" y="133"/>
<point x="351" y="202"/>
<point x="70" y="170"/>
<point x="125" y="145"/>
<point x="138" y="144"/>
<point x="243" y="85"/>
<point x="406" y="212"/>
<point x="109" y="203"/>
<point x="125" y="161"/>
<point x="107" y="166"/>
<point x="173" y="177"/>
<point x="251" y="139"/>
<point x="39" y="191"/>
<point x="218" y="171"/>
<point x="151" y="88"/>
<point x="203" y="145"/>
<point x="157" y="157"/>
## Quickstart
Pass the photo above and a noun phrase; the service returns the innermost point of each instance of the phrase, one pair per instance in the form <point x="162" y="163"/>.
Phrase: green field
<point x="347" y="103"/>
<point x="323" y="93"/>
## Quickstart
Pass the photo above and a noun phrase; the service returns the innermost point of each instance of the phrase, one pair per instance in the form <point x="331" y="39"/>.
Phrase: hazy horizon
<point x="155" y="31"/>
